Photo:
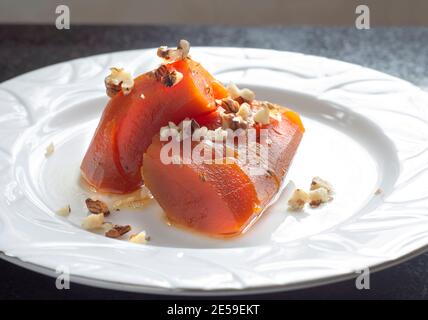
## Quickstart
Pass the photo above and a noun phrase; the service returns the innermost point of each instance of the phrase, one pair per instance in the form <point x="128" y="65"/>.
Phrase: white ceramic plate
<point x="365" y="131"/>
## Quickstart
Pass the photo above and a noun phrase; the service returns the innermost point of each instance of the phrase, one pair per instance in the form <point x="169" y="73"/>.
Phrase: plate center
<point x="339" y="145"/>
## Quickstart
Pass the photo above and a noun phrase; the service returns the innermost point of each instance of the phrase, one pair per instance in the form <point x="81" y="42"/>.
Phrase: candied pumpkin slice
<point x="222" y="199"/>
<point x="210" y="198"/>
<point x="172" y="92"/>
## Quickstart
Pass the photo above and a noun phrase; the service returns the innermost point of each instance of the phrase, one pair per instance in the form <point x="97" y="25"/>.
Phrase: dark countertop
<point x="402" y="52"/>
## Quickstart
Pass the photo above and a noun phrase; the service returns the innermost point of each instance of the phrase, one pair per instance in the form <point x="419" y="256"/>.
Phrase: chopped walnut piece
<point x="317" y="183"/>
<point x="229" y="105"/>
<point x="97" y="206"/>
<point x="244" y="93"/>
<point x="161" y="72"/>
<point x="49" y="150"/>
<point x="64" y="211"/>
<point x="168" y="78"/>
<point x="318" y="197"/>
<point x="118" y="80"/>
<point x="93" y="221"/>
<point x="298" y="200"/>
<point x="180" y="53"/>
<point x="107" y="226"/>
<point x="262" y="115"/>
<point x="184" y="46"/>
<point x="118" y="231"/>
<point x="174" y="78"/>
<point x="233" y="90"/>
<point x="232" y="121"/>
<point x="247" y="94"/>
<point x="244" y="111"/>
<point x="139" y="238"/>
<point x="378" y="191"/>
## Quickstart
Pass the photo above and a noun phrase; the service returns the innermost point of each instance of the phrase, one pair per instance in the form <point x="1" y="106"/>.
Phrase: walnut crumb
<point x="117" y="231"/>
<point x="320" y="193"/>
<point x="378" y="191"/>
<point x="298" y="200"/>
<point x="181" y="53"/>
<point x="118" y="80"/>
<point x="244" y="93"/>
<point x="318" y="197"/>
<point x="244" y="111"/>
<point x="139" y="238"/>
<point x="263" y="115"/>
<point x="173" y="78"/>
<point x="93" y="221"/>
<point x="168" y="78"/>
<point x="317" y="183"/>
<point x="229" y="105"/>
<point x="49" y="150"/>
<point x="233" y="115"/>
<point x="64" y="211"/>
<point x="97" y="207"/>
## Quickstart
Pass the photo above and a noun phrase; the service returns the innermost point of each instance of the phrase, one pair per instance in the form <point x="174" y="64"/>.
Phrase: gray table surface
<point x="399" y="51"/>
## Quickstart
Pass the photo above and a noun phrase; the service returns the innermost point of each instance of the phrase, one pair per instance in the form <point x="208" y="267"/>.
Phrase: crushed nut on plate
<point x="320" y="192"/>
<point x="49" y="149"/>
<point x="93" y="221"/>
<point x="318" y="197"/>
<point x="117" y="231"/>
<point x="64" y="211"/>
<point x="298" y="200"/>
<point x="139" y="238"/>
<point x="317" y="183"/>
<point x="97" y="206"/>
